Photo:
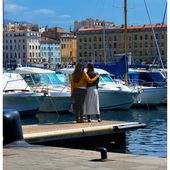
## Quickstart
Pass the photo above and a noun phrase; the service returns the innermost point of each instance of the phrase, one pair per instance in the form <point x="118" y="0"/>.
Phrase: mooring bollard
<point x="12" y="129"/>
<point x="103" y="152"/>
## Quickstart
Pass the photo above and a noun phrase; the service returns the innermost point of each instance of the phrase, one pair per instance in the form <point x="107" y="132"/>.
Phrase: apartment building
<point x="50" y="52"/>
<point x="68" y="42"/>
<point x="21" y="47"/>
<point x="103" y="45"/>
<point x="91" y="23"/>
<point x="68" y="49"/>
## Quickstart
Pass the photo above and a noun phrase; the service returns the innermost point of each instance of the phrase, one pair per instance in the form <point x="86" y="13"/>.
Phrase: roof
<point x="44" y="39"/>
<point x="128" y="27"/>
<point x="20" y="31"/>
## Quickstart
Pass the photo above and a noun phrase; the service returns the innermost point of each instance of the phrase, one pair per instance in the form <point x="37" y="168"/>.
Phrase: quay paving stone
<point x="57" y="158"/>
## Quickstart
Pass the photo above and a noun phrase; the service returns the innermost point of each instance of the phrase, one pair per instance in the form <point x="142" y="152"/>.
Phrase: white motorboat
<point x="112" y="95"/>
<point x="17" y="95"/>
<point x="153" y="85"/>
<point x="58" y="96"/>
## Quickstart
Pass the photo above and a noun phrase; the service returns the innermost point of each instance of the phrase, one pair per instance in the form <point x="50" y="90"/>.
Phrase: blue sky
<point x="63" y="13"/>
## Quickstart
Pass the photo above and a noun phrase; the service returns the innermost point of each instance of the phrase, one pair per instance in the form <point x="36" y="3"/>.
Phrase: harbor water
<point x="148" y="141"/>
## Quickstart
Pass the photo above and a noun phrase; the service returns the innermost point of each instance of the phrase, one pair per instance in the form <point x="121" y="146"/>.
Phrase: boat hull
<point x="25" y="104"/>
<point x="151" y="96"/>
<point x="116" y="100"/>
<point x="56" y="103"/>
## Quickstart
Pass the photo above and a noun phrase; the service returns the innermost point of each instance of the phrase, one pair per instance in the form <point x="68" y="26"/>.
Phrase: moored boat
<point x="17" y="95"/>
<point x="58" y="96"/>
<point x="112" y="95"/>
<point x="153" y="85"/>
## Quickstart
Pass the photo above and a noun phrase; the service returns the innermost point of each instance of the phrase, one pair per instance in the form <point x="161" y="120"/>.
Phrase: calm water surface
<point x="151" y="140"/>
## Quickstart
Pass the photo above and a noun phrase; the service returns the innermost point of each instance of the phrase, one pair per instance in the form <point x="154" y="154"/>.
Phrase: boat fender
<point x="138" y="99"/>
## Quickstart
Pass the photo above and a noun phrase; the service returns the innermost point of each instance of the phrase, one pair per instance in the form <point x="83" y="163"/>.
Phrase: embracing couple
<point x="84" y="90"/>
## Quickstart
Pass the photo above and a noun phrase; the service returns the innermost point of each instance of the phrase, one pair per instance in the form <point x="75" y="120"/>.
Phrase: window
<point x="95" y="39"/>
<point x="162" y="44"/>
<point x="162" y="36"/>
<point x="135" y="45"/>
<point x="140" y="45"/>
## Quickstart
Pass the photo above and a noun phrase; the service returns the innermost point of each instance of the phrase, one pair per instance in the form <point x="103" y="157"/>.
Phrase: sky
<point x="63" y="13"/>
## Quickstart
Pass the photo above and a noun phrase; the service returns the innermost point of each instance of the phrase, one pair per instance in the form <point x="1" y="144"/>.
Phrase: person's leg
<point x="98" y="117"/>
<point x="88" y="117"/>
<point x="81" y="102"/>
<point x="76" y="106"/>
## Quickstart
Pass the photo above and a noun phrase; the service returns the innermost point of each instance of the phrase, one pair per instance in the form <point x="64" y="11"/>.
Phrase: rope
<point x="154" y="35"/>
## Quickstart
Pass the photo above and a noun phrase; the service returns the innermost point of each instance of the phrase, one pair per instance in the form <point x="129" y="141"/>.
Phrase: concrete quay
<point x="57" y="158"/>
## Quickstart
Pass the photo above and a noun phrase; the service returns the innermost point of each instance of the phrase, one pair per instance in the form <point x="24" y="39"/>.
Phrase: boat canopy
<point x="26" y="70"/>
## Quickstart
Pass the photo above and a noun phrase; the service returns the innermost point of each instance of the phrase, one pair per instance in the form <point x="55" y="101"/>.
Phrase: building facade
<point x="102" y="45"/>
<point x="21" y="47"/>
<point x="91" y="23"/>
<point x="50" y="52"/>
<point x="68" y="49"/>
<point x="68" y="42"/>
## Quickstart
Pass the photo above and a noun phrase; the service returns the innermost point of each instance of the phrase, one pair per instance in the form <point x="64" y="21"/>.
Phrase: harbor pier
<point x="79" y="135"/>
<point x="41" y="157"/>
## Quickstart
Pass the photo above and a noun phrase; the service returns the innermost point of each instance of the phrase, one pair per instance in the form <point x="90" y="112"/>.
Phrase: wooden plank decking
<point x="43" y="131"/>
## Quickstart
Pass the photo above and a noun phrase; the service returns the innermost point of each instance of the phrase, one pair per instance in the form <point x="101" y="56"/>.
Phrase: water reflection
<point x="151" y="140"/>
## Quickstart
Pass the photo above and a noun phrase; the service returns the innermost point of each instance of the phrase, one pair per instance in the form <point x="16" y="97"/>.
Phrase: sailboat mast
<point x="125" y="27"/>
<point x="125" y="39"/>
<point x="104" y="42"/>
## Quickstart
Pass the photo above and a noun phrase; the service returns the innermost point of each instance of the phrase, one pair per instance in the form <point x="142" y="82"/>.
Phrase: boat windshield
<point x="153" y="78"/>
<point x="42" y="79"/>
<point x="157" y="77"/>
<point x="105" y="78"/>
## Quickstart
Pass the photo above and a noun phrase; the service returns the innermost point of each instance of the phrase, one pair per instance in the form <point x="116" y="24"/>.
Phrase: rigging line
<point x="163" y="20"/>
<point x="154" y="35"/>
<point x="162" y="25"/>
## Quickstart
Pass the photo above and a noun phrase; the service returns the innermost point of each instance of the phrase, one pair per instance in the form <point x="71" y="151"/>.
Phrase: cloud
<point x="14" y="8"/>
<point x="44" y="12"/>
<point x="65" y="16"/>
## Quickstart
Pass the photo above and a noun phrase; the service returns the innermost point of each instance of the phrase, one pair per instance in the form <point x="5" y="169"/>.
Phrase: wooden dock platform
<point x="69" y="130"/>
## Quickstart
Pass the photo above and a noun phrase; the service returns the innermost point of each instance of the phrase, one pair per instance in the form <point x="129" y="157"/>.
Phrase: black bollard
<point x="103" y="152"/>
<point x="12" y="129"/>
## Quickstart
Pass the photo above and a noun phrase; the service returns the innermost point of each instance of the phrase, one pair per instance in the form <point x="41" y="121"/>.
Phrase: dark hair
<point x="78" y="72"/>
<point x="90" y="67"/>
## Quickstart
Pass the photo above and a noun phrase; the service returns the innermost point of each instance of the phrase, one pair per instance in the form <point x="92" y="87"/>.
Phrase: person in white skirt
<point x="91" y="104"/>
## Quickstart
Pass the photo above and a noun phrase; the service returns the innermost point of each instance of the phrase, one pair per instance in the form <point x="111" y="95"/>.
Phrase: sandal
<point x="99" y="120"/>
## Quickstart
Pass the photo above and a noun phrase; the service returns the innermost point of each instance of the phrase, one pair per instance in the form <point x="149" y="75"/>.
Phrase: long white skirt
<point x="91" y="104"/>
